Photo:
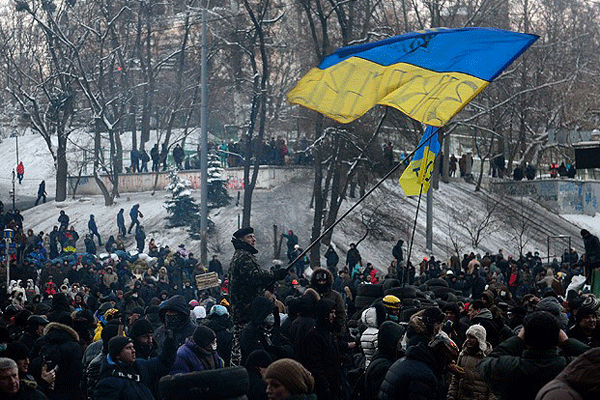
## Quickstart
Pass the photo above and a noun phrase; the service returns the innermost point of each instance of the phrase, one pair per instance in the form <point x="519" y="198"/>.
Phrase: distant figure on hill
<point x="135" y="211"/>
<point x="94" y="229"/>
<point x="20" y="171"/>
<point x="121" y="222"/>
<point x="144" y="158"/>
<point x="63" y="218"/>
<point x="41" y="192"/>
<point x="155" y="156"/>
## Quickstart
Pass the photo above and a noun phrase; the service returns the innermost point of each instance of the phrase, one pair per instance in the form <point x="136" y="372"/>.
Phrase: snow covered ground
<point x="288" y="207"/>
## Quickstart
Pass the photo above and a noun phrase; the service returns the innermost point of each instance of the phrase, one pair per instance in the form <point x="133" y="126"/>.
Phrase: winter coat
<point x="319" y="353"/>
<point x="415" y="376"/>
<point x="486" y="319"/>
<point x="191" y="357"/>
<point x="254" y="337"/>
<point x="368" y="340"/>
<point x="469" y="386"/>
<point x="175" y="303"/>
<point x="246" y="280"/>
<point x="332" y="258"/>
<point x="328" y="293"/>
<point x="223" y="328"/>
<point x="59" y="346"/>
<point x="28" y="391"/>
<point x="120" y="381"/>
<point x="578" y="381"/>
<point x="389" y="335"/>
<point x="513" y="372"/>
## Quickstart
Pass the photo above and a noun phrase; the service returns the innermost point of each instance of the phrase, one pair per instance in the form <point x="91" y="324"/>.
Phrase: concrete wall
<point x="268" y="177"/>
<point x="565" y="196"/>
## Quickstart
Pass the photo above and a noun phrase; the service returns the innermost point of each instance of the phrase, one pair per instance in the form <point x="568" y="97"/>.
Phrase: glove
<point x="280" y="274"/>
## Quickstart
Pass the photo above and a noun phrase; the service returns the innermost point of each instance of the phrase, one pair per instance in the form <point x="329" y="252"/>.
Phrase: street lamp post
<point x="8" y="235"/>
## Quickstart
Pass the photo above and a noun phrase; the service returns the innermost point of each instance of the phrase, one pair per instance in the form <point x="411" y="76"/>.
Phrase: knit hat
<point x="592" y="302"/>
<point x="203" y="335"/>
<point x="199" y="312"/>
<point x="292" y="375"/>
<point x="117" y="344"/>
<point x="108" y="332"/>
<point x="219" y="310"/>
<point x="139" y="328"/>
<point x="15" y="351"/>
<point x="479" y="332"/>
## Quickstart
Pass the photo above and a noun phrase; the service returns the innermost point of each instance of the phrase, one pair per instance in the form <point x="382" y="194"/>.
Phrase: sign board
<point x="207" y="280"/>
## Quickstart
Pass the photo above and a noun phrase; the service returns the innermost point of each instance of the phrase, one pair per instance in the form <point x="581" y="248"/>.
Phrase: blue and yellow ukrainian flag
<point x="420" y="169"/>
<point x="428" y="75"/>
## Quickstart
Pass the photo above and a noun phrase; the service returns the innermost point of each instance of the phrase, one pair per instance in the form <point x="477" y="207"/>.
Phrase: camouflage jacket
<point x="246" y="281"/>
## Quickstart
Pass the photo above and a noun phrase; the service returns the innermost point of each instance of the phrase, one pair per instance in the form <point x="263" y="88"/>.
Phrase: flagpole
<point x="394" y="169"/>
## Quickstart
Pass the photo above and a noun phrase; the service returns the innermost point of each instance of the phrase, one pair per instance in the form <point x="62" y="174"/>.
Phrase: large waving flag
<point x="428" y="75"/>
<point x="420" y="169"/>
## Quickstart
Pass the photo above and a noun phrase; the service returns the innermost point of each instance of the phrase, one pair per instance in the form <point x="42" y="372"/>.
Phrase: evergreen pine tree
<point x="182" y="209"/>
<point x="217" y="193"/>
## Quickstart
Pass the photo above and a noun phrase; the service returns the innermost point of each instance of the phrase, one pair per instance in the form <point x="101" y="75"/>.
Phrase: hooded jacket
<point x="319" y="353"/>
<point x="415" y="376"/>
<point x="59" y="346"/>
<point x="515" y="372"/>
<point x="176" y="303"/>
<point x="388" y="351"/>
<point x="372" y="317"/>
<point x="327" y="292"/>
<point x="580" y="380"/>
<point x="470" y="386"/>
<point x="254" y="337"/>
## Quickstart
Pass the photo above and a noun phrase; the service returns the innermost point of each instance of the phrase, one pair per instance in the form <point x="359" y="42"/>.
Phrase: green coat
<point x="515" y="372"/>
<point x="246" y="281"/>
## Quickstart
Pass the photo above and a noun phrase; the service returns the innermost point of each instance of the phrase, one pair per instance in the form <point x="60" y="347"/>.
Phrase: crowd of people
<point x="90" y="326"/>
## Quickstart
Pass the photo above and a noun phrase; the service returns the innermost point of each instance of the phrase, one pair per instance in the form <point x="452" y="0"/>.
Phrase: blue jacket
<point x="190" y="358"/>
<point x="131" y="382"/>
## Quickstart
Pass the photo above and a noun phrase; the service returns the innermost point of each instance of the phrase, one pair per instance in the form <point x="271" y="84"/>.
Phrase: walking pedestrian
<point x="41" y="193"/>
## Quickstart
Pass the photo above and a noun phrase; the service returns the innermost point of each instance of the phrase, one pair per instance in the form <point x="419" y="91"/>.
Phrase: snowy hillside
<point x="387" y="213"/>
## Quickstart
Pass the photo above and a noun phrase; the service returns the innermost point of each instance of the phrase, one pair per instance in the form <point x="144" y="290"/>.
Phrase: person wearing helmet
<point x="393" y="306"/>
<point x="421" y="374"/>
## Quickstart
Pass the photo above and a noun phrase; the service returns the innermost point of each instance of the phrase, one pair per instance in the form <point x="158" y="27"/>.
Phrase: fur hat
<point x="292" y="375"/>
<point x="240" y="233"/>
<point x="479" y="332"/>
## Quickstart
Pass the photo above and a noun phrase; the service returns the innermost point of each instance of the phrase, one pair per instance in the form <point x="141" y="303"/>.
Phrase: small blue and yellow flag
<point x="428" y="75"/>
<point x="420" y="169"/>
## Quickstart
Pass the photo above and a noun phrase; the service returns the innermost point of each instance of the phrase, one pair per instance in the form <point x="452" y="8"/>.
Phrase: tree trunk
<point x="61" y="169"/>
<point x="315" y="252"/>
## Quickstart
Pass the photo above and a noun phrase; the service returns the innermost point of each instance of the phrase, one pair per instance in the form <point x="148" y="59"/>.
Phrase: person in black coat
<point x="332" y="260"/>
<point x="134" y="213"/>
<point x="388" y="351"/>
<point x="124" y="376"/>
<point x="262" y="332"/>
<point x="155" y="156"/>
<point x="420" y="375"/>
<point x="319" y="352"/>
<point x="220" y="322"/>
<point x="121" y="222"/>
<point x="90" y="246"/>
<point x="41" y="193"/>
<point x="257" y="360"/>
<point x="59" y="346"/>
<point x="175" y="315"/>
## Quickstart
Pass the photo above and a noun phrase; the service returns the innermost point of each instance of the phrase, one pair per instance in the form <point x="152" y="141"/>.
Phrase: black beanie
<point x="108" y="332"/>
<point x="203" y="335"/>
<point x="117" y="344"/>
<point x="139" y="328"/>
<point x="15" y="351"/>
